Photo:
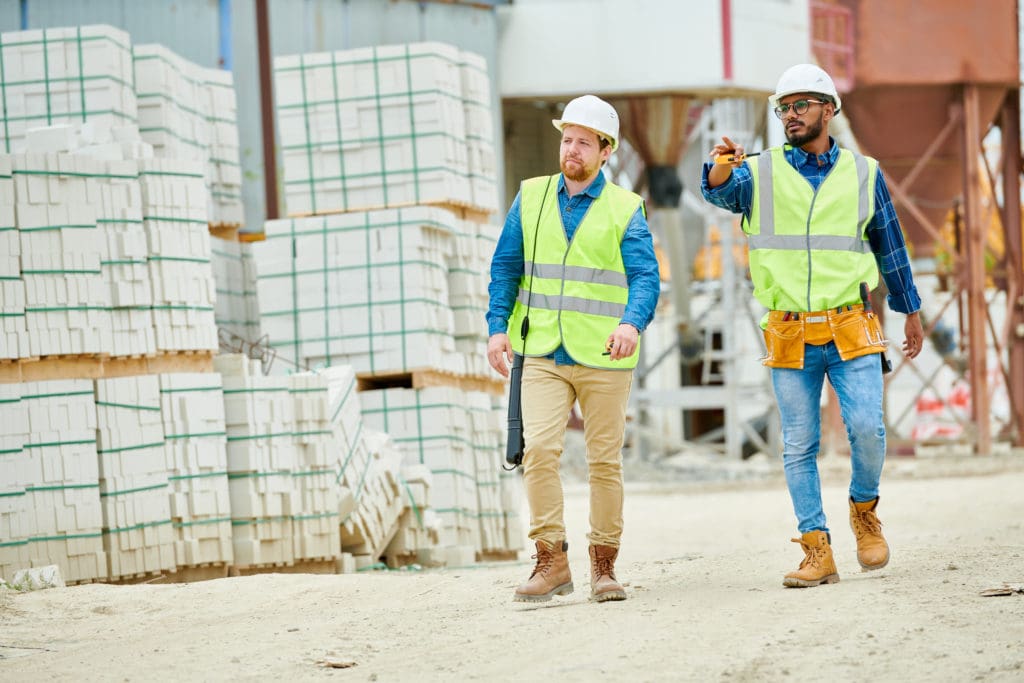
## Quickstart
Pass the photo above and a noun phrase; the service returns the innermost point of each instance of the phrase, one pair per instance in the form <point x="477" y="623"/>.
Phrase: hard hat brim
<point x="773" y="100"/>
<point x="559" y="124"/>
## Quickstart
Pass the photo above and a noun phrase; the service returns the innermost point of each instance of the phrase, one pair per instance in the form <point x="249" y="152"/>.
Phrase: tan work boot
<point x="872" y="550"/>
<point x="550" y="576"/>
<point x="603" y="585"/>
<point x="818" y="566"/>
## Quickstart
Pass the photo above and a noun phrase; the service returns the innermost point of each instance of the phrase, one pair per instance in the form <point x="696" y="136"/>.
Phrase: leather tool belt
<point x="856" y="333"/>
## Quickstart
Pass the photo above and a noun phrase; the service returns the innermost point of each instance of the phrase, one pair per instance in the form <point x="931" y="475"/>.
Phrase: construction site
<point x="248" y="424"/>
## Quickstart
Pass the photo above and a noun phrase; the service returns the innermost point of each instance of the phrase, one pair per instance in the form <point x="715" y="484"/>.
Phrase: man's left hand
<point x="622" y="342"/>
<point x="914" y="334"/>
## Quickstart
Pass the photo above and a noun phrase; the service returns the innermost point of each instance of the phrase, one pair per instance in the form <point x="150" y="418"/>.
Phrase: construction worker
<point x="574" y="281"/>
<point x="819" y="222"/>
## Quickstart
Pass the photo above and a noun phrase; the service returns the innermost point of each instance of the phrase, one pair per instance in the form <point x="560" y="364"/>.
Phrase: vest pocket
<point x="856" y="334"/>
<point x="784" y="341"/>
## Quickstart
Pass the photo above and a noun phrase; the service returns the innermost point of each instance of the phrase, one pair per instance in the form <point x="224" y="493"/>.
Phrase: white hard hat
<point x="593" y="113"/>
<point x="808" y="78"/>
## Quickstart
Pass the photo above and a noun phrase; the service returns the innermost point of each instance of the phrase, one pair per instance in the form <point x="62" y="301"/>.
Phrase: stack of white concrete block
<point x="137" y="533"/>
<point x="433" y="428"/>
<point x="468" y="278"/>
<point x="224" y="169"/>
<point x="511" y="481"/>
<point x="486" y="428"/>
<point x="317" y="445"/>
<point x="67" y="304"/>
<point x="175" y="219"/>
<point x="123" y="260"/>
<point x="365" y="289"/>
<point x="476" y="100"/>
<point x="188" y="112"/>
<point x="237" y="308"/>
<point x="13" y="335"/>
<point x="259" y="418"/>
<point x="64" y="75"/>
<point x="372" y="473"/>
<point x="63" y="474"/>
<point x="373" y="127"/>
<point x="192" y="408"/>
<point x="17" y="522"/>
<point x="419" y="527"/>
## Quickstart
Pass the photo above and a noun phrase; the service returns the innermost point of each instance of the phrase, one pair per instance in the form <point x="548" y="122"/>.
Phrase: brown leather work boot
<point x="818" y="566"/>
<point x="603" y="585"/>
<point x="550" y="576"/>
<point x="872" y="550"/>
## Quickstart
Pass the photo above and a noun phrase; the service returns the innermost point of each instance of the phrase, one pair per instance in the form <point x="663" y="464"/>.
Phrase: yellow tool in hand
<point x="730" y="157"/>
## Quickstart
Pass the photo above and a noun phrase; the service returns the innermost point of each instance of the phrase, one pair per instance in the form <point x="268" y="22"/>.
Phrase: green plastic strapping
<point x="140" y="489"/>
<point x="3" y="99"/>
<point x="200" y="475"/>
<point x="81" y="70"/>
<point x="65" y="487"/>
<point x="412" y="129"/>
<point x="337" y="125"/>
<point x="320" y="515"/>
<point x="256" y="390"/>
<point x="380" y="126"/>
<point x="412" y="502"/>
<point x="187" y="390"/>
<point x="199" y="522"/>
<point x="309" y="133"/>
<point x="46" y="78"/>
<point x="257" y="475"/>
<point x="63" y="537"/>
<point x="138" y="447"/>
<point x="351" y="452"/>
<point x="258" y="520"/>
<point x="198" y="435"/>
<point x="341" y="403"/>
<point x="252" y="437"/>
<point x="295" y="298"/>
<point x="128" y="406"/>
<point x="327" y="290"/>
<point x="136" y="527"/>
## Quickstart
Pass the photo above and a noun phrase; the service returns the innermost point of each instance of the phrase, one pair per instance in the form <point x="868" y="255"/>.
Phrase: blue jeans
<point x="858" y="384"/>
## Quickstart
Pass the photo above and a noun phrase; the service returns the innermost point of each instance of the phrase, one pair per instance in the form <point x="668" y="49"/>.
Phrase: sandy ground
<point x="704" y="565"/>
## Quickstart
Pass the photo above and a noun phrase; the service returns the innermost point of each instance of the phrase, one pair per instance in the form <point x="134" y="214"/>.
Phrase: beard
<point x="577" y="173"/>
<point x="811" y="132"/>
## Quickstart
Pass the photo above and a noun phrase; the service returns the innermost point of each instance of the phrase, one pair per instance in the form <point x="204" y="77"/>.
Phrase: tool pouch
<point x="784" y="340"/>
<point x="856" y="333"/>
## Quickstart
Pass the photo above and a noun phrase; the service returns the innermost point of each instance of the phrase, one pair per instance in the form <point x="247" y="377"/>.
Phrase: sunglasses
<point x="800" y="107"/>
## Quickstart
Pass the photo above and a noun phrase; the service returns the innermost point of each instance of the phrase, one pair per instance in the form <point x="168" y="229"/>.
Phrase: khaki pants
<point x="549" y="392"/>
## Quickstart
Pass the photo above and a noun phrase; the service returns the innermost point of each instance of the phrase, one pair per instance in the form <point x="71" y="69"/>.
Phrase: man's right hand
<point x="720" y="173"/>
<point x="499" y="352"/>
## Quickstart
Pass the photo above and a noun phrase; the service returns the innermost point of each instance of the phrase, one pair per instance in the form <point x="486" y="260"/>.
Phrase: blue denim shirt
<point x="884" y="232"/>
<point x="508" y="264"/>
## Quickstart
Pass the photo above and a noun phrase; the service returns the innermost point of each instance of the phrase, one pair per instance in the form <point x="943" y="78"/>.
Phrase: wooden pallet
<point x="497" y="556"/>
<point x="428" y="377"/>
<point x="158" y="576"/>
<point x="463" y="210"/>
<point x="329" y="565"/>
<point x="96" y="366"/>
<point x="200" y="572"/>
<point x="225" y="231"/>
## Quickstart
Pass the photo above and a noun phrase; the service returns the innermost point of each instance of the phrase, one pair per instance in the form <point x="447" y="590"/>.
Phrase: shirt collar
<point x="802" y="158"/>
<point x="593" y="190"/>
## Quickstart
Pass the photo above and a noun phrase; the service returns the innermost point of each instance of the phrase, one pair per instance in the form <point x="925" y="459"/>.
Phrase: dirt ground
<point x="704" y="563"/>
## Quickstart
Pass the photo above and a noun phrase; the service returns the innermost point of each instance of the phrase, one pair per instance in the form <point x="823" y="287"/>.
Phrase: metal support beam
<point x="267" y="107"/>
<point x="974" y="260"/>
<point x="1011" y="214"/>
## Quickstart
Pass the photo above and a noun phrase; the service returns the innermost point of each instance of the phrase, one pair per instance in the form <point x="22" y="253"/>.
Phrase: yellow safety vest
<point x="576" y="292"/>
<point x="808" y="248"/>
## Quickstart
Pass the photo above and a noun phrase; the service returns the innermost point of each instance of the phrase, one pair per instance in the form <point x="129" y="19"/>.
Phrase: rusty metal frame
<point x="968" y="261"/>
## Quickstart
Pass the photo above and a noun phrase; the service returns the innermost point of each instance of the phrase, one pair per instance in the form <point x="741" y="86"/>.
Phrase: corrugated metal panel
<point x="10" y="15"/>
<point x="189" y="27"/>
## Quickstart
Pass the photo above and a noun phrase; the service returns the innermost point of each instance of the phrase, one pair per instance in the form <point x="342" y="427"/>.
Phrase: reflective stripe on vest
<point x="808" y="248"/>
<point x="576" y="292"/>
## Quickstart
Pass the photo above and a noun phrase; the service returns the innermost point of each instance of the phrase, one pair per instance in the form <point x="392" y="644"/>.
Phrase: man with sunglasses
<point x="821" y="226"/>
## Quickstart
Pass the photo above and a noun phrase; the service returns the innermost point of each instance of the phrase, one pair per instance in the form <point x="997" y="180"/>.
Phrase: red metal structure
<point x="922" y="85"/>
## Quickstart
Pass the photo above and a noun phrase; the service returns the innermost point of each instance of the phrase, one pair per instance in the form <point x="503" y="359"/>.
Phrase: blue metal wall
<point x="195" y="30"/>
